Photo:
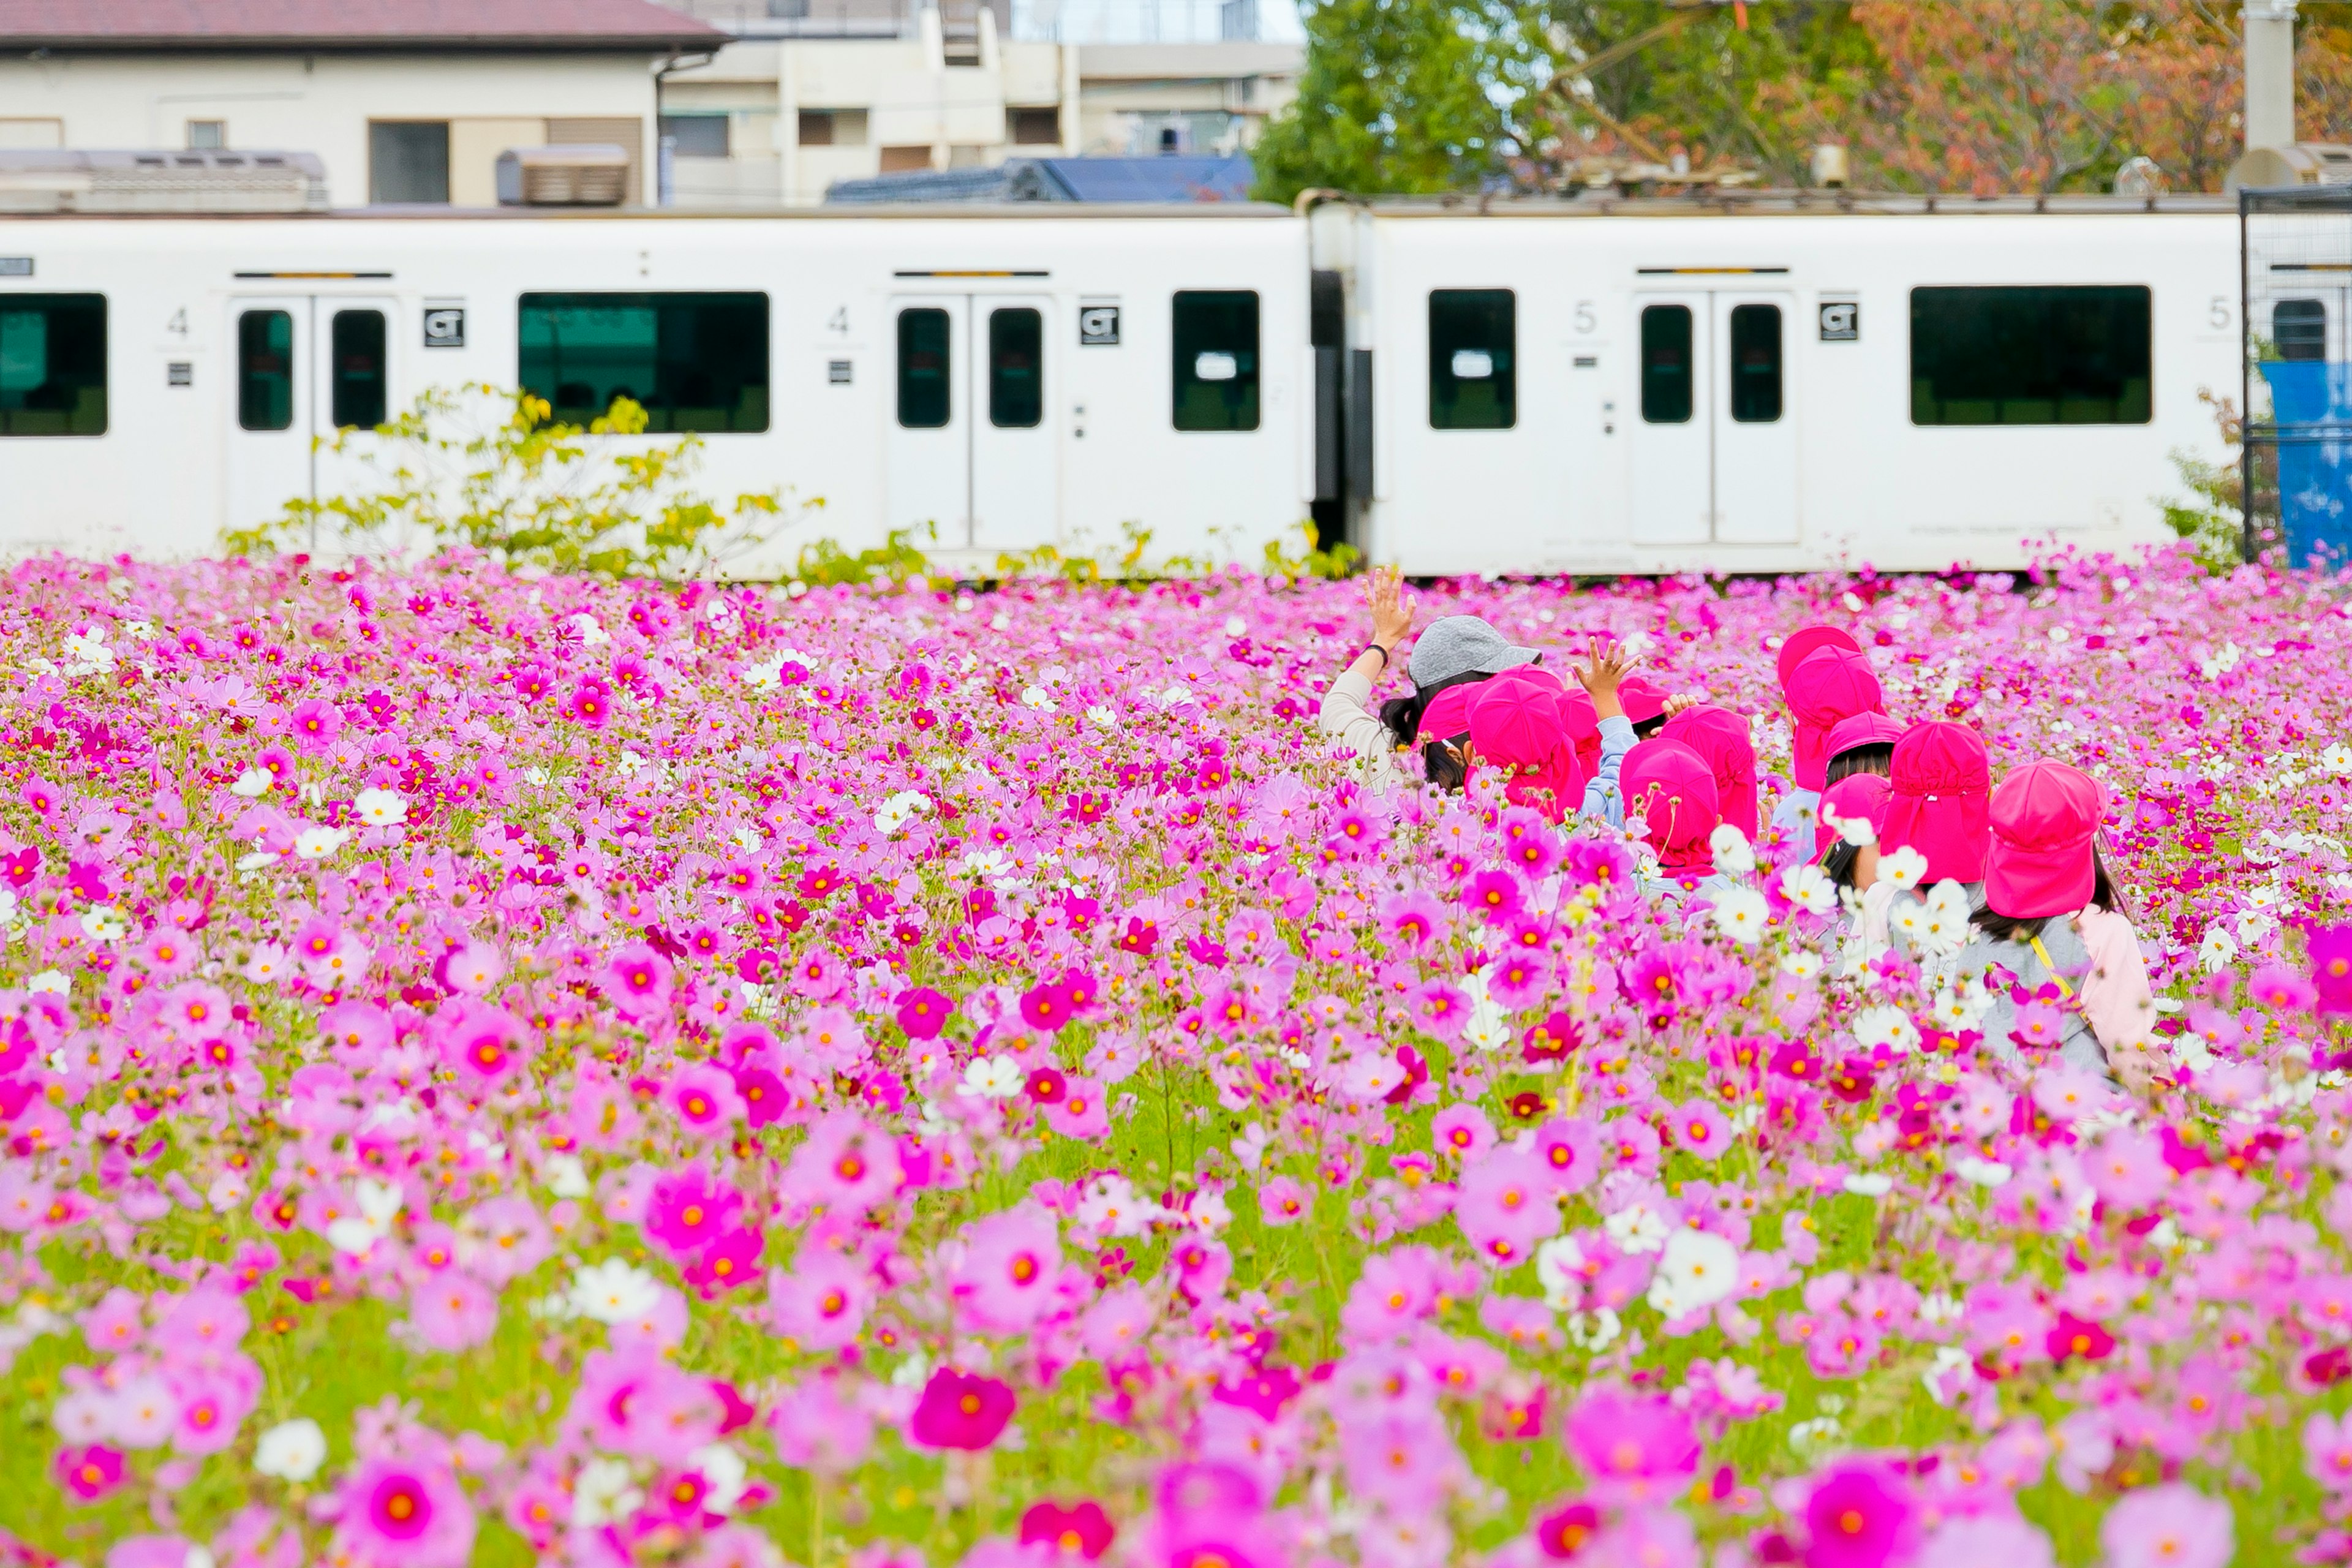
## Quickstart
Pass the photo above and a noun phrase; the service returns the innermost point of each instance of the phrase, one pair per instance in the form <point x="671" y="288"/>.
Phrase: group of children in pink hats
<point x="1999" y="895"/>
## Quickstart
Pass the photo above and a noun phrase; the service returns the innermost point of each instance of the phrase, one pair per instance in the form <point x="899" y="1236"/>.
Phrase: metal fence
<point x="2297" y="397"/>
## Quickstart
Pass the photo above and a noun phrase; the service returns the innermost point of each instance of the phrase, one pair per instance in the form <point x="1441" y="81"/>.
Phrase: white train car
<point x="1772" y="384"/>
<point x="1010" y="377"/>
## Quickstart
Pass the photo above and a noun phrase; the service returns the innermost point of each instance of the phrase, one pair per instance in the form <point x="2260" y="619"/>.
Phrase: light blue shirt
<point x="1601" y="796"/>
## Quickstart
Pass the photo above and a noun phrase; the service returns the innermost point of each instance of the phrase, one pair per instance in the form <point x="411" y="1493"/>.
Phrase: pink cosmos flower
<point x="314" y="724"/>
<point x="1855" y="1518"/>
<point x="2327" y="1451"/>
<point x="401" y="1514"/>
<point x="704" y="1098"/>
<point x="1569" y="1153"/>
<point x="2169" y="1526"/>
<point x="820" y="1303"/>
<point x="1622" y="1436"/>
<point x="687" y="1211"/>
<point x="1701" y="1128"/>
<point x="1504" y="1205"/>
<point x="2001" y="1540"/>
<point x="1462" y="1131"/>
<point x="451" y="1311"/>
<point x="1281" y="1200"/>
<point x="728" y="1262"/>
<point x="87" y="1473"/>
<point x="1082" y="1112"/>
<point x="960" y="1410"/>
<point x="1004" y="1282"/>
<point x="639" y="976"/>
<point x="923" y="1013"/>
<point x="1080" y="1529"/>
<point x="845" y="1166"/>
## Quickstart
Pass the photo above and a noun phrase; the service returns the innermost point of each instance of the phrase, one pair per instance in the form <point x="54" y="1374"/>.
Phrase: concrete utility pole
<point x="2269" y="73"/>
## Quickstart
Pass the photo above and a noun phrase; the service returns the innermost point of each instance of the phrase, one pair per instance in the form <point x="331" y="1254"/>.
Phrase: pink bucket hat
<point x="1807" y="641"/>
<point x="1674" y="790"/>
<point x="1861" y="730"/>
<point x="1720" y="737"/>
<point x="1938" y="789"/>
<point x="1516" y="723"/>
<point x="1861" y="795"/>
<point x="2045" y="821"/>
<point x="1829" y="685"/>
<point x="1642" y="699"/>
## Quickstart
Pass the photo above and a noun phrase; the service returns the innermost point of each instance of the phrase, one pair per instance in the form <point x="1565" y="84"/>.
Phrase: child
<point x="1515" y="725"/>
<point x="1600" y="675"/>
<point x="1862" y="745"/>
<point x="1939" y="782"/>
<point x="1846" y="845"/>
<point x="1828" y="686"/>
<point x="1673" y="790"/>
<point x="1720" y="737"/>
<point x="2052" y="917"/>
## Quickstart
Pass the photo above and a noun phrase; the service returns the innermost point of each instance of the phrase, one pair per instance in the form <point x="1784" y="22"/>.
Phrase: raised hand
<point x="1393" y="609"/>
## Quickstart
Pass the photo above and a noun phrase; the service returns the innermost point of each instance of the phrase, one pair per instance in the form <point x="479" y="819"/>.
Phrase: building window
<point x="52" y="364"/>
<point x="901" y="160"/>
<point x="1756" y="363"/>
<point x="355" y="342"/>
<point x="1216" y="367"/>
<point x="695" y="135"/>
<point x="207" y="136"/>
<point x="1472" y="368"/>
<point x="265" y="371"/>
<point x="1016" y="381"/>
<point x="2030" y="355"/>
<point x="694" y="362"/>
<point x="924" y="401"/>
<point x="408" y="161"/>
<point x="2299" y="329"/>
<point x="816" y="127"/>
<point x="1033" y="127"/>
<point x="1667" y="364"/>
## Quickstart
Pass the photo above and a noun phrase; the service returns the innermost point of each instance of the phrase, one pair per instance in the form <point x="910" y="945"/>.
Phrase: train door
<point x="304" y="365"/>
<point x="2309" y="324"/>
<point x="1755" y="438"/>
<point x="1714" y="446"/>
<point x="1672" y="447"/>
<point x="971" y="451"/>
<point x="270" y="457"/>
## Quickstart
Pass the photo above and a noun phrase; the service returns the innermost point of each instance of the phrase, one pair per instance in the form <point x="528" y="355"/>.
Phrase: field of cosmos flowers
<point x="496" y="1071"/>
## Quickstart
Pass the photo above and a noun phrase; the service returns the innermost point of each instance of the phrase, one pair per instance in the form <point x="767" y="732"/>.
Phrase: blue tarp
<point x="1159" y="181"/>
<point x="2312" y="403"/>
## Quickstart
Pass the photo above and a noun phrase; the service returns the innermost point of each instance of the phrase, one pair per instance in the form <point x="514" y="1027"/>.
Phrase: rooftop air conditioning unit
<point x="2305" y="163"/>
<point x="592" y="176"/>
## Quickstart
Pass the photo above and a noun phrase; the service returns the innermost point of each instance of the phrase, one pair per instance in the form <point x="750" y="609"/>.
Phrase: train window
<point x="694" y="362"/>
<point x="923" y="401"/>
<point x="1216" y="359"/>
<point x="1017" y="389"/>
<point x="265" y="371"/>
<point x="1667" y="364"/>
<point x="2299" y="327"/>
<point x="52" y="364"/>
<point x="2063" y="355"/>
<point x="356" y="343"/>
<point x="1473" y="365"/>
<point x="1756" y="363"/>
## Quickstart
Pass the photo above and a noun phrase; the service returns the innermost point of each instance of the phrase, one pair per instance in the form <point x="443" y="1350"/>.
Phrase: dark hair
<point x="1870" y="759"/>
<point x="1650" y="726"/>
<point x="2009" y="928"/>
<point x="1402" y="715"/>
<point x="1838" y="864"/>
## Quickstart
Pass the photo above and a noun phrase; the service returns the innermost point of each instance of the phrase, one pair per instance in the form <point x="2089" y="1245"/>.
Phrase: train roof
<point x="1719" y="203"/>
<point x="953" y="212"/>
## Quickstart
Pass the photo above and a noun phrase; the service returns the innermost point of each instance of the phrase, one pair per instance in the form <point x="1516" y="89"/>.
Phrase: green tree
<point x="1398" y="96"/>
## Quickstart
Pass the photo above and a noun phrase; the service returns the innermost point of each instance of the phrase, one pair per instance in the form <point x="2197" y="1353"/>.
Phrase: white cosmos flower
<point x="2218" y="949"/>
<point x="1560" y="1268"/>
<point x="1635" y="1229"/>
<point x="1102" y="717"/>
<point x="566" y="1176"/>
<point x="2337" y="759"/>
<point x="1697" y="1270"/>
<point x="613" y="1292"/>
<point x="1734" y="856"/>
<point x="1870" y="1186"/>
<point x="1038" y="696"/>
<point x="1742" y="914"/>
<point x="104" y="924"/>
<point x="996" y="1078"/>
<point x="291" y="1451"/>
<point x="1903" y="867"/>
<point x="1808" y="888"/>
<point x="318" y="843"/>
<point x="1983" y="1173"/>
<point x="380" y="808"/>
<point x="1594" y="1331"/>
<point x="252" y="782"/>
<point x="1802" y="961"/>
<point x="1888" y="1026"/>
<point x="603" y="1493"/>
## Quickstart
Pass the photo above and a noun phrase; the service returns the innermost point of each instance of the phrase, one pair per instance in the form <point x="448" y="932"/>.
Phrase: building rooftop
<point x="323" y="25"/>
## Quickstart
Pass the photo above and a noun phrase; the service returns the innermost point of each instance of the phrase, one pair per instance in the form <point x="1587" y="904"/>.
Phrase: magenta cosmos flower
<point x="1855" y="1520"/>
<point x="959" y="1410"/>
<point x="397" y="1514"/>
<point x="1620" y="1436"/>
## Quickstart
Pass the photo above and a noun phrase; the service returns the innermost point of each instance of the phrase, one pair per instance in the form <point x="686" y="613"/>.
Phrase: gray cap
<point x="1457" y="645"/>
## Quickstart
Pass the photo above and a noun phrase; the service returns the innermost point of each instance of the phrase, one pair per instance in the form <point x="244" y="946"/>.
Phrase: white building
<point x="403" y="101"/>
<point x="812" y="91"/>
